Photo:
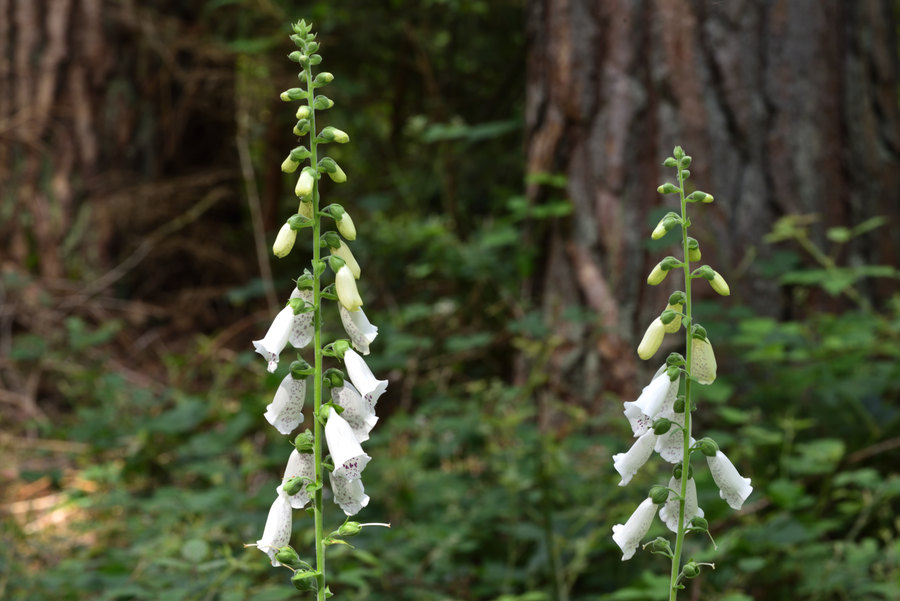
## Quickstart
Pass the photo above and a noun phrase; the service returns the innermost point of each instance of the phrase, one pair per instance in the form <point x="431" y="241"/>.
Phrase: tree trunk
<point x="786" y="106"/>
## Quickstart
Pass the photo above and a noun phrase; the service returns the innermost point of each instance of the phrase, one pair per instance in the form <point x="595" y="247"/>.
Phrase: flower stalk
<point x="299" y="324"/>
<point x="662" y="418"/>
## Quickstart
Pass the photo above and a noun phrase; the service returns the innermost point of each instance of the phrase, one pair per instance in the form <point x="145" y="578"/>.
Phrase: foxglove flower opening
<point x="629" y="535"/>
<point x="627" y="464"/>
<point x="358" y="328"/>
<point x="668" y="513"/>
<point x="302" y="325"/>
<point x="302" y="465"/>
<point x="347" y="292"/>
<point x="703" y="361"/>
<point x="350" y="495"/>
<point x="732" y="486"/>
<point x="357" y="412"/>
<point x="348" y="456"/>
<point x="276" y="338"/>
<point x="285" y="412"/>
<point x="655" y="396"/>
<point x="277" y="532"/>
<point x="370" y="387"/>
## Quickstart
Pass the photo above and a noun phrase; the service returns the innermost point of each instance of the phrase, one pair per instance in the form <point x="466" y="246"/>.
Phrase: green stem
<point x="686" y="458"/>
<point x="317" y="345"/>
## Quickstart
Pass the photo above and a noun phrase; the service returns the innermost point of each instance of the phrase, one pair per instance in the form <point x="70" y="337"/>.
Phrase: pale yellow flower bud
<point x="305" y="209"/>
<point x="305" y="183"/>
<point x="284" y="241"/>
<point x="659" y="231"/>
<point x="303" y="112"/>
<point x="345" y="286"/>
<point x="719" y="284"/>
<point x="657" y="275"/>
<point x="344" y="252"/>
<point x="289" y="165"/>
<point x="675" y="324"/>
<point x="653" y="337"/>
<point x="703" y="361"/>
<point x="345" y="226"/>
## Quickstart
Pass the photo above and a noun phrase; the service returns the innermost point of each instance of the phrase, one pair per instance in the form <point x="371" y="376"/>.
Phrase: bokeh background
<point x="502" y="171"/>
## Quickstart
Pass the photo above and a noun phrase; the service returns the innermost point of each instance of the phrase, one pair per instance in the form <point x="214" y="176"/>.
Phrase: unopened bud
<point x="685" y="161"/>
<point x="289" y="165"/>
<point x="667" y="188"/>
<point x="685" y="174"/>
<point x="304" y="442"/>
<point x="676" y="359"/>
<point x="305" y="183"/>
<point x="719" y="284"/>
<point x="331" y="239"/>
<point x="334" y="378"/>
<point x="693" y="250"/>
<point x="345" y="286"/>
<point x="659" y="494"/>
<point x="333" y="134"/>
<point x="707" y="446"/>
<point x="345" y="226"/>
<point x="343" y="251"/>
<point x="340" y="347"/>
<point x="670" y="162"/>
<point x="667" y="316"/>
<point x="303" y="112"/>
<point x="303" y="580"/>
<point x="323" y="77"/>
<point x="661" y="426"/>
<point x="293" y="94"/>
<point x="322" y="103"/>
<point x="653" y="337"/>
<point x="678" y="152"/>
<point x="301" y="128"/>
<point x="675" y="324"/>
<point x="300" y="369"/>
<point x="284" y="241"/>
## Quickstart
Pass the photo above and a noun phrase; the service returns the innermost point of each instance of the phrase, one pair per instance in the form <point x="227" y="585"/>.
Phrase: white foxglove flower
<point x="370" y="387"/>
<point x="302" y="326"/>
<point x="669" y="512"/>
<point x="670" y="445"/>
<point x="628" y="535"/>
<point x="298" y="465"/>
<point x="627" y="464"/>
<point x="347" y="293"/>
<point x="732" y="486"/>
<point x="350" y="495"/>
<point x="277" y="532"/>
<point x="285" y="410"/>
<point x="703" y="361"/>
<point x="358" y="328"/>
<point x="659" y="394"/>
<point x="348" y="456"/>
<point x="357" y="412"/>
<point x="276" y="338"/>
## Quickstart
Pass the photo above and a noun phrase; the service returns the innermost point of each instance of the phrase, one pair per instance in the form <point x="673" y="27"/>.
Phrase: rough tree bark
<point x="788" y="106"/>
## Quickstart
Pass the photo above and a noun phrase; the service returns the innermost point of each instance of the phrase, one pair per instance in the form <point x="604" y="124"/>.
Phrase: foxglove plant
<point x="344" y="422"/>
<point x="660" y="418"/>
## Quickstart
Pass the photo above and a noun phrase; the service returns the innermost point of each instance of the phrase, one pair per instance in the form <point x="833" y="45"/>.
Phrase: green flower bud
<point x="333" y="134"/>
<point x="334" y="378"/>
<point x="659" y="494"/>
<point x="284" y="241"/>
<point x="685" y="174"/>
<point x="295" y="56"/>
<point x="677" y="471"/>
<point x="289" y="165"/>
<point x="699" y="523"/>
<point x="698" y="331"/>
<point x="305" y="281"/>
<point x="315" y="59"/>
<point x="690" y="570"/>
<point x="665" y="224"/>
<point x="719" y="284"/>
<point x="287" y="556"/>
<point x="301" y="128"/>
<point x="673" y="372"/>
<point x="300" y="152"/>
<point x="300" y="369"/>
<point x="670" y="162"/>
<point x="667" y="188"/>
<point x="667" y="316"/>
<point x="661" y="426"/>
<point x="348" y="529"/>
<point x="304" y="580"/>
<point x="333" y="170"/>
<point x="323" y="77"/>
<point x="331" y="239"/>
<point x="678" y="405"/>
<point x="293" y="94"/>
<point x="693" y="250"/>
<point x="340" y="347"/>
<point x="335" y="263"/>
<point x="323" y="103"/>
<point x="304" y="442"/>
<point x="297" y="221"/>
<point x="677" y="298"/>
<point x="293" y="485"/>
<point x="686" y="161"/>
<point x="676" y="359"/>
<point x="675" y="324"/>
<point x="707" y="446"/>
<point x="303" y="112"/>
<point x="678" y="153"/>
<point x="657" y="275"/>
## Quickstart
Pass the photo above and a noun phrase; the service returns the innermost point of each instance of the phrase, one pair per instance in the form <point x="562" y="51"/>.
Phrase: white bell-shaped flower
<point x="348" y="456"/>
<point x="302" y="326"/>
<point x="276" y="338"/>
<point x="350" y="495"/>
<point x="370" y="387"/>
<point x="358" y="328"/>
<point x="733" y="487"/>
<point x="627" y="464"/>
<point x="277" y="532"/>
<point x="298" y="465"/>
<point x="668" y="513"/>
<point x="703" y="361"/>
<point x="357" y="412"/>
<point x="285" y="412"/>
<point x="629" y="535"/>
<point x="656" y="396"/>
<point x="670" y="445"/>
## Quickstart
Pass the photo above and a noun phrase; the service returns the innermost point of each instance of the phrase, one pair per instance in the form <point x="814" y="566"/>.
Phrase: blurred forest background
<point x="502" y="171"/>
